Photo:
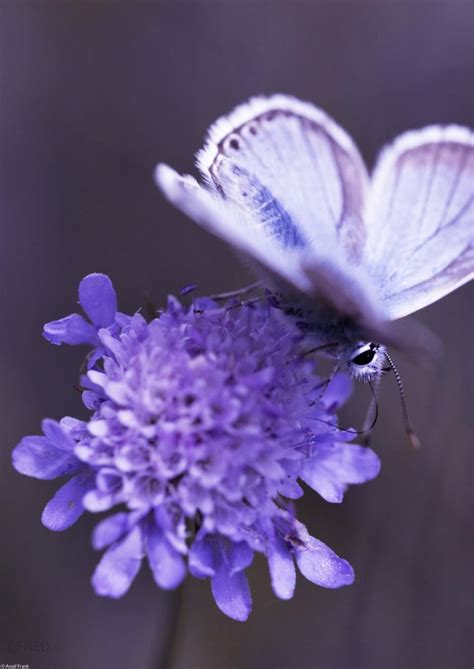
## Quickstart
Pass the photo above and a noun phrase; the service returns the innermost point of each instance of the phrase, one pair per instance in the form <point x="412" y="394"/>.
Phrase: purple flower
<point x="203" y="423"/>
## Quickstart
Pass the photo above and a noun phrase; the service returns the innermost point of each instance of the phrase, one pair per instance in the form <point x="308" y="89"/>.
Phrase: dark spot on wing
<point x="234" y="144"/>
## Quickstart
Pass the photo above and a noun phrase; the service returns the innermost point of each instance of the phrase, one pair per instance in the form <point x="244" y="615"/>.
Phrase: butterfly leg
<point x="235" y="305"/>
<point x="325" y="384"/>
<point x="236" y="293"/>
<point x="246" y="303"/>
<point x="320" y="348"/>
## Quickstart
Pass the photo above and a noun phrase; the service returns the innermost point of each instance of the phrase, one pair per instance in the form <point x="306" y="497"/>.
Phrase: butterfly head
<point x="366" y="361"/>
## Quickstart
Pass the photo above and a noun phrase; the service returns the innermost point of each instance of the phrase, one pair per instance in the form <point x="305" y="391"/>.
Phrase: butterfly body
<point x="336" y="338"/>
<point x="349" y="254"/>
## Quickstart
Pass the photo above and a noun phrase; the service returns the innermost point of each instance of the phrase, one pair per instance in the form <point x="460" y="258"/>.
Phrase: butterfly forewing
<point x="295" y="173"/>
<point x="225" y="220"/>
<point x="420" y="218"/>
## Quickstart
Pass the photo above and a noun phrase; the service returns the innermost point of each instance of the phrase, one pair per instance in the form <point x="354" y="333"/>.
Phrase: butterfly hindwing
<point x="420" y="218"/>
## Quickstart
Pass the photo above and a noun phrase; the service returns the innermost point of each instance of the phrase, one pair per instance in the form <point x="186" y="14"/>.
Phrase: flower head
<point x="203" y="423"/>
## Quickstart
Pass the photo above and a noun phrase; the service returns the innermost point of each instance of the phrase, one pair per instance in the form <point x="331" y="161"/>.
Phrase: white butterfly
<point x="287" y="186"/>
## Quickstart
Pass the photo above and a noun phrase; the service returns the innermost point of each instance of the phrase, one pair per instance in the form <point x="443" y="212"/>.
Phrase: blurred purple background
<point x="92" y="95"/>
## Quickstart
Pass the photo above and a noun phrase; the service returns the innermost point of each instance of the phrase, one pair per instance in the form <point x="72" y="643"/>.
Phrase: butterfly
<point x="349" y="254"/>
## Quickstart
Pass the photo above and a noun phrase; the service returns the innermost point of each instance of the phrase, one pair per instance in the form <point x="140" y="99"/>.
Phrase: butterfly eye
<point x="364" y="358"/>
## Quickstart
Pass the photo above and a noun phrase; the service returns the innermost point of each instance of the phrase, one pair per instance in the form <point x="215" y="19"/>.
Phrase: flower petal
<point x="335" y="466"/>
<point x="97" y="378"/>
<point x="239" y="556"/>
<point x="57" y="435"/>
<point x="282" y="570"/>
<point x="288" y="487"/>
<point x="73" y="329"/>
<point x="37" y="457"/>
<point x="109" y="530"/>
<point x="168" y="567"/>
<point x="232" y="594"/>
<point x="320" y="565"/>
<point x="338" y="391"/>
<point x="65" y="508"/>
<point x="201" y="558"/>
<point x="119" y="565"/>
<point x="98" y="299"/>
<point x="96" y="501"/>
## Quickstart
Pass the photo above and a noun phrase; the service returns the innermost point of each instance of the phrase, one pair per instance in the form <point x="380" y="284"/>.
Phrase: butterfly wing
<point x="294" y="172"/>
<point x="223" y="219"/>
<point x="420" y="218"/>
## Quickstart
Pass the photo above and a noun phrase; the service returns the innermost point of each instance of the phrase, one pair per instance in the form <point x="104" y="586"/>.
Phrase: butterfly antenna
<point x="408" y="426"/>
<point x="367" y="428"/>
